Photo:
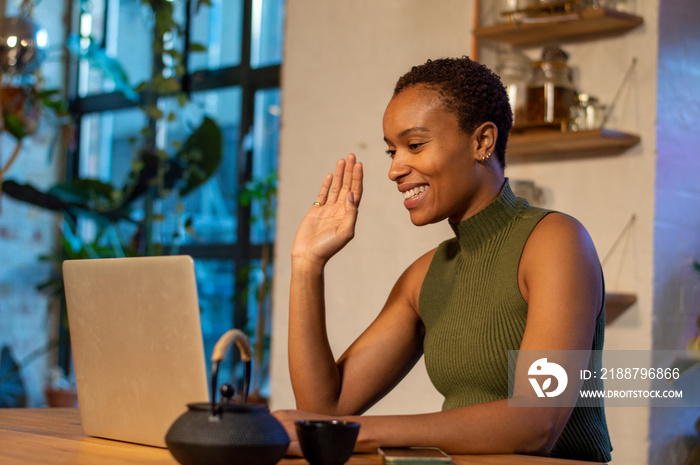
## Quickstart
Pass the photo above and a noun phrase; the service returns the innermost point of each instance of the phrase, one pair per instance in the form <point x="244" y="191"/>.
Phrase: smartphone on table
<point x="413" y="455"/>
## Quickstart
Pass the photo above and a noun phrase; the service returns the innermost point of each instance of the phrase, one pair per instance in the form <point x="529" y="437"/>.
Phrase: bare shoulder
<point x="408" y="286"/>
<point x="560" y="264"/>
<point x="423" y="262"/>
<point x="419" y="268"/>
<point x="560" y="232"/>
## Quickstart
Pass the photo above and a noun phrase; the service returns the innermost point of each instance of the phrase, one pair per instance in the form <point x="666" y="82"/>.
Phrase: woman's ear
<point x="485" y="137"/>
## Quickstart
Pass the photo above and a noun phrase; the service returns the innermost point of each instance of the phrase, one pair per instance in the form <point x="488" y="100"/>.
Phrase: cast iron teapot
<point x="226" y="432"/>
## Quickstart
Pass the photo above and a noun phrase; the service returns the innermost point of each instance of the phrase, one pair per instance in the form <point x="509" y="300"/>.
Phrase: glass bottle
<point x="551" y="93"/>
<point x="515" y="70"/>
<point x="588" y="113"/>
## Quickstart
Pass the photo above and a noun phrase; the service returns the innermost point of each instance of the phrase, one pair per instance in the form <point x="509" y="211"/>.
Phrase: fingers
<point x="349" y="170"/>
<point x="323" y="194"/>
<point x="337" y="181"/>
<point x="356" y="187"/>
<point x="347" y="178"/>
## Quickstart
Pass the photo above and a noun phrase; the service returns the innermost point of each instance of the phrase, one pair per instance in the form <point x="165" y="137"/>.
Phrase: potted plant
<point x="156" y="172"/>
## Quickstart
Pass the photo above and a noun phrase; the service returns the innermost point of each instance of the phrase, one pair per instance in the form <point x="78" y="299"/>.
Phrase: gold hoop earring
<point x="485" y="158"/>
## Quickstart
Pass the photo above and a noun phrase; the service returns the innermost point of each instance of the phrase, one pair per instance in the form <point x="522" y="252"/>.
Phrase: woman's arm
<point x="385" y="352"/>
<point x="375" y="362"/>
<point x="560" y="278"/>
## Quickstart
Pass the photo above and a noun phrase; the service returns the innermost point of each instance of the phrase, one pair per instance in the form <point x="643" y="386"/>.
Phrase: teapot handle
<point x="225" y="341"/>
<point x="220" y="349"/>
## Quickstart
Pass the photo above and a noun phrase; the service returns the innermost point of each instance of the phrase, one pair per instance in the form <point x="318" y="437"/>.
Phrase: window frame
<point x="249" y="79"/>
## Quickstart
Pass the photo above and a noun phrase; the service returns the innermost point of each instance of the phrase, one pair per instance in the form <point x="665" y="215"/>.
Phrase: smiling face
<point x="434" y="163"/>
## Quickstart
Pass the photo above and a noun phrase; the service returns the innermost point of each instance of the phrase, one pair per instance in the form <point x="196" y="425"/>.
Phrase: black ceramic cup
<point x="328" y="442"/>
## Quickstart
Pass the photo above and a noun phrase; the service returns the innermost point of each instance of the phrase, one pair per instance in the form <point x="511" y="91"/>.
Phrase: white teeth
<point x="415" y="191"/>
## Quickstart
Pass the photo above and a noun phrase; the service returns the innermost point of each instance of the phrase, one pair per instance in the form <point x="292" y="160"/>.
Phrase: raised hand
<point x="330" y="223"/>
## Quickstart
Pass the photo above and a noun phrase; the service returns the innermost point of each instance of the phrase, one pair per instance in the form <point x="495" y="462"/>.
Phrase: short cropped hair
<point x="469" y="89"/>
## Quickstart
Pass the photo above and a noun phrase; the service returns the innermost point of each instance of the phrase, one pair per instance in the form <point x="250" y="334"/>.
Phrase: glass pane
<point x="267" y="33"/>
<point x="125" y="28"/>
<point x="210" y="210"/>
<point x="92" y="19"/>
<point x="106" y="152"/>
<point x="219" y="28"/>
<point x="265" y="146"/>
<point x="93" y="79"/>
<point x="215" y="288"/>
<point x="259" y="323"/>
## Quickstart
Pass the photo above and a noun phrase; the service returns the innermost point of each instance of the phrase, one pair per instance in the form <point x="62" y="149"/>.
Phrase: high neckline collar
<point x="479" y="228"/>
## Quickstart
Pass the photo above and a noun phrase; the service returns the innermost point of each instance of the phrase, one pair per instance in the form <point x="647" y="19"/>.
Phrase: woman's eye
<point x="390" y="152"/>
<point x="415" y="146"/>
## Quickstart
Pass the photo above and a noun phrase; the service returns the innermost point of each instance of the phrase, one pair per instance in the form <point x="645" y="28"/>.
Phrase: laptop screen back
<point x="137" y="344"/>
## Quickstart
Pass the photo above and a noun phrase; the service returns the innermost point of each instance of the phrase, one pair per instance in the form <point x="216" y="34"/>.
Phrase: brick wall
<point x="27" y="232"/>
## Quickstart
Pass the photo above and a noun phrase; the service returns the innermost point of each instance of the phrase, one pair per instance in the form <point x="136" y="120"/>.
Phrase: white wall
<point x="341" y="61"/>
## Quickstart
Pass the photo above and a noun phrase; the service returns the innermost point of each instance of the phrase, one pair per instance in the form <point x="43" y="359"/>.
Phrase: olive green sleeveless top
<point x="473" y="313"/>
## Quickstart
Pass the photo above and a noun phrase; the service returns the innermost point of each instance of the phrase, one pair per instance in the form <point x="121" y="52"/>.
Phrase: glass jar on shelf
<point x="505" y="11"/>
<point x="587" y="113"/>
<point x="515" y="70"/>
<point x="625" y="6"/>
<point x="550" y="93"/>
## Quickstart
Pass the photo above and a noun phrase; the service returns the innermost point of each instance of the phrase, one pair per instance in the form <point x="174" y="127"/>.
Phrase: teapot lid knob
<point x="227" y="391"/>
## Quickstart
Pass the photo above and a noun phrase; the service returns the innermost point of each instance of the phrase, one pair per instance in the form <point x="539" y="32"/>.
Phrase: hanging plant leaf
<point x="165" y="86"/>
<point x="29" y="194"/>
<point x="84" y="191"/>
<point x="200" y="155"/>
<point x="51" y="98"/>
<point x="21" y="109"/>
<point x="15" y="127"/>
<point x="71" y="199"/>
<point x="154" y="112"/>
<point x="96" y="199"/>
<point x="99" y="60"/>
<point x="144" y="170"/>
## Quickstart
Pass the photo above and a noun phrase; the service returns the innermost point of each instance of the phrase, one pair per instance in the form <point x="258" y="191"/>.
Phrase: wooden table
<point x="54" y="436"/>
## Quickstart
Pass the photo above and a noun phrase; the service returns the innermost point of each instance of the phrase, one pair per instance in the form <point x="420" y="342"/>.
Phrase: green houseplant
<point x="264" y="191"/>
<point x="124" y="216"/>
<point x="156" y="173"/>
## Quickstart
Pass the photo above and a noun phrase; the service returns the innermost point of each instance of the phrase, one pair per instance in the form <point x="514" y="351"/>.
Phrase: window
<point x="225" y="224"/>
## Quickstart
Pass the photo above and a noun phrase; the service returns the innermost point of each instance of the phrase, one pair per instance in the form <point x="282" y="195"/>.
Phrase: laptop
<point x="137" y="344"/>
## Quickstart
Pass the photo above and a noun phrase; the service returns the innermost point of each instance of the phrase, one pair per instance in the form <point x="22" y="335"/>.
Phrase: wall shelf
<point x="616" y="304"/>
<point x="572" y="26"/>
<point x="554" y="145"/>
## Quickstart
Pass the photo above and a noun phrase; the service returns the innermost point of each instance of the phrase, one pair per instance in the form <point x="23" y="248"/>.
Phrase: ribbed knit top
<point x="473" y="313"/>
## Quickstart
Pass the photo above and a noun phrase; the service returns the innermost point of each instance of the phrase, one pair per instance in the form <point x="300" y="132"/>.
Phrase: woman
<point x="514" y="277"/>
